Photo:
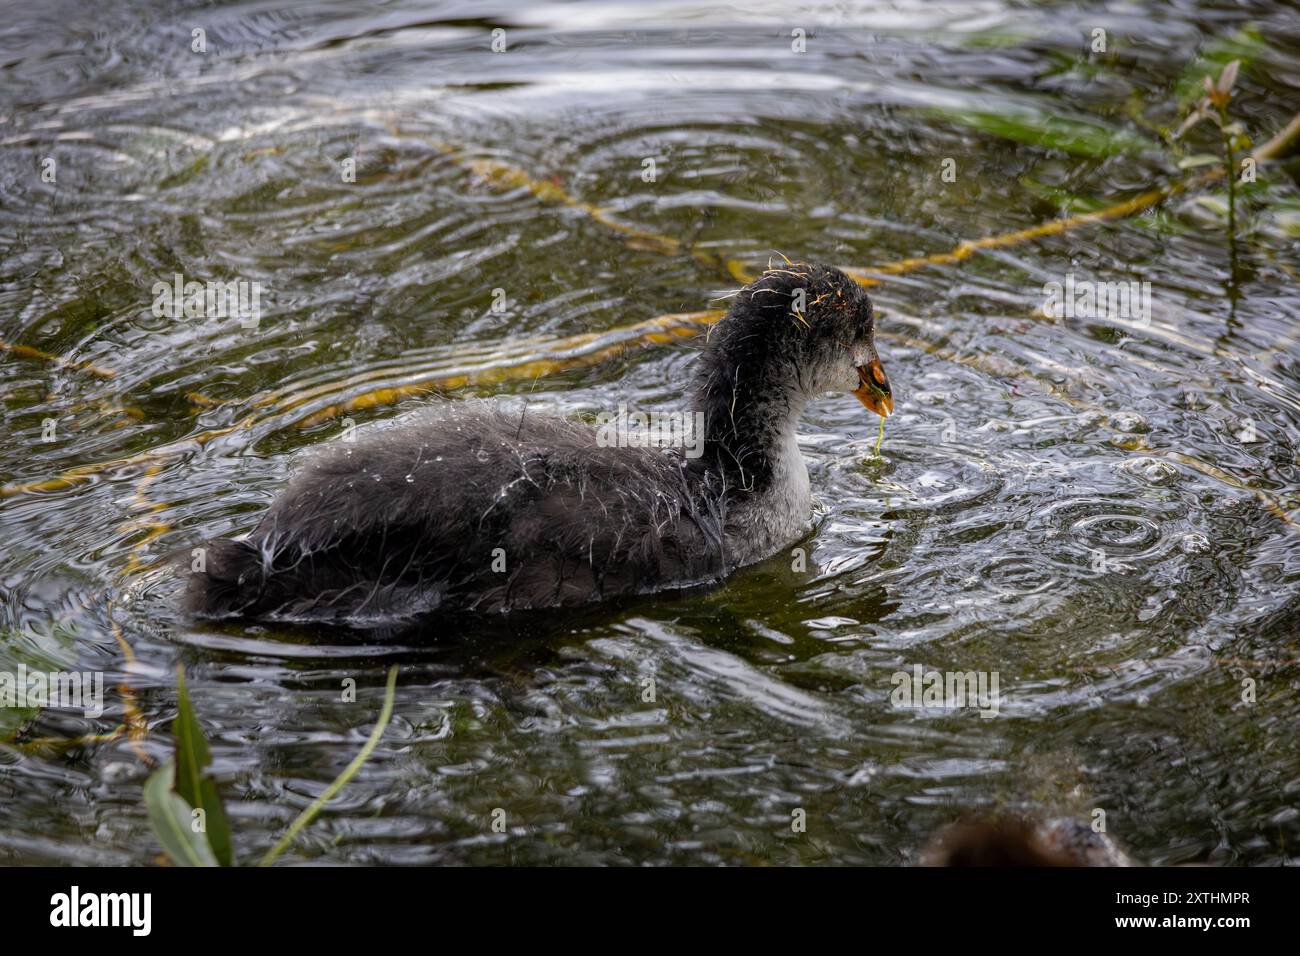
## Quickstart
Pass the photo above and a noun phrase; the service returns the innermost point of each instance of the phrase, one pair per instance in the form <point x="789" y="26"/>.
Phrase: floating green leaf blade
<point x="54" y="650"/>
<point x="1078" y="136"/>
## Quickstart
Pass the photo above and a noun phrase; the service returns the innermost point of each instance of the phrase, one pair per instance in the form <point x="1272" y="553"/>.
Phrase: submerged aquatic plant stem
<point x="342" y="779"/>
<point x="1230" y="170"/>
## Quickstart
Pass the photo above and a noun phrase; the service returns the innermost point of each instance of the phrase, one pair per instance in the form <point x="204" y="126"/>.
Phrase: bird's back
<point x="471" y="508"/>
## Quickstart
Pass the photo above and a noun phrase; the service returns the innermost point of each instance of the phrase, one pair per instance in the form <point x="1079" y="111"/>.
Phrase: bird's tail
<point x="227" y="579"/>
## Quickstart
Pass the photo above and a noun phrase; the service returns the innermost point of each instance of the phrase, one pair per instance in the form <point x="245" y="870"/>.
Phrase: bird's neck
<point x="750" y="417"/>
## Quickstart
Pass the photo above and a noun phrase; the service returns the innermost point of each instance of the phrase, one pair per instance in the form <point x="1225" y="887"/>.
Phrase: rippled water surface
<point x="1101" y="511"/>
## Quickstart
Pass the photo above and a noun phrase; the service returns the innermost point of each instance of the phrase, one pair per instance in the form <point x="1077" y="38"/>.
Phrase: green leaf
<point x="171" y="819"/>
<point x="1200" y="159"/>
<point x="1216" y="203"/>
<point x="1228" y="78"/>
<point x="55" y="650"/>
<point x="184" y="175"/>
<point x="1078" y="136"/>
<point x="1285" y="223"/>
<point x="994" y="37"/>
<point x="193" y="785"/>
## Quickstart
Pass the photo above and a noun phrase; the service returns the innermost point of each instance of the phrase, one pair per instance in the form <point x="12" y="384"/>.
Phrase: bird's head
<point x="813" y="326"/>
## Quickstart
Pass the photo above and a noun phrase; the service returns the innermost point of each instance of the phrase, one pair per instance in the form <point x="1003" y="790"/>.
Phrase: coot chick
<point x="468" y="507"/>
<point x="1003" y="842"/>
